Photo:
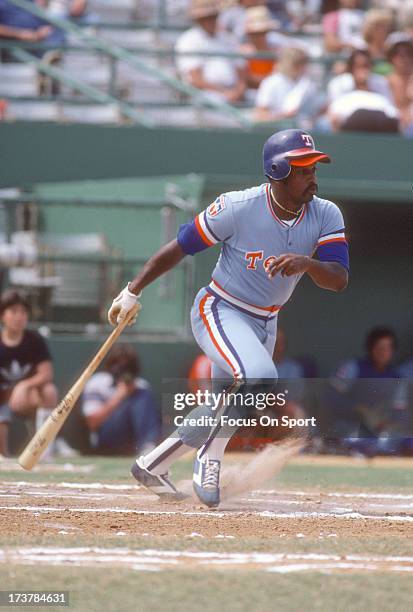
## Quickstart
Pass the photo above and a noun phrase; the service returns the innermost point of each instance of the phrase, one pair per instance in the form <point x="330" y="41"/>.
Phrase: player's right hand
<point x="122" y="305"/>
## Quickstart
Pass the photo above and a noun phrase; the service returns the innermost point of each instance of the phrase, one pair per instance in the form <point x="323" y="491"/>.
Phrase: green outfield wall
<point x="38" y="152"/>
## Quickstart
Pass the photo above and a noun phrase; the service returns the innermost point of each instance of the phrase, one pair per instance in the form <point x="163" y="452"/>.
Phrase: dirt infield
<point x="28" y="509"/>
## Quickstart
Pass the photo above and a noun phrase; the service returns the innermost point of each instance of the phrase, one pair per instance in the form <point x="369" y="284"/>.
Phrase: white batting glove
<point x="122" y="304"/>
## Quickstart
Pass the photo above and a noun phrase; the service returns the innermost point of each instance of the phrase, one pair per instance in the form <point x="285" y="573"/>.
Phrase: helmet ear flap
<point x="280" y="169"/>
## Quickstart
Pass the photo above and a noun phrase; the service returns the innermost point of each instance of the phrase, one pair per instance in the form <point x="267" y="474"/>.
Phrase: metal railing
<point x="197" y="97"/>
<point x="90" y="92"/>
<point x="111" y="261"/>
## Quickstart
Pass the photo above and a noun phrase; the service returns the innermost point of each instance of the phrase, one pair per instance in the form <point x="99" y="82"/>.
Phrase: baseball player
<point x="271" y="236"/>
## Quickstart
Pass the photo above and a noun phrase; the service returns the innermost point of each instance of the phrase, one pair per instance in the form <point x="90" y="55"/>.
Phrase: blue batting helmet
<point x="290" y="148"/>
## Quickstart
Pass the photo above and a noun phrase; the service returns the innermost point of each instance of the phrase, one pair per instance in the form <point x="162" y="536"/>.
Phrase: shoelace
<point x="211" y="474"/>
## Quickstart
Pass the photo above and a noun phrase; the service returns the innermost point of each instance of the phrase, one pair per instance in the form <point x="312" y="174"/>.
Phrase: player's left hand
<point x="288" y="264"/>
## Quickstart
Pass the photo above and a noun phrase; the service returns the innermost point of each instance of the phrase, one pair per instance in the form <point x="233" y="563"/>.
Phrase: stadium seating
<point x="87" y="67"/>
<point x="121" y="10"/>
<point x="90" y="113"/>
<point x="18" y="80"/>
<point x="34" y="110"/>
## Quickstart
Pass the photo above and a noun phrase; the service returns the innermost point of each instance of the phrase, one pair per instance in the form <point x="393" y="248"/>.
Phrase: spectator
<point x="224" y="78"/>
<point x="233" y="19"/>
<point x="288" y="93"/>
<point x="402" y="11"/>
<point x="377" y="26"/>
<point x="366" y="393"/>
<point x="342" y="28"/>
<point x="18" y="24"/>
<point x="364" y="111"/>
<point x="119" y="406"/>
<point x="26" y="371"/>
<point x="360" y="100"/>
<point x="358" y="75"/>
<point x="258" y="25"/>
<point x="400" y="55"/>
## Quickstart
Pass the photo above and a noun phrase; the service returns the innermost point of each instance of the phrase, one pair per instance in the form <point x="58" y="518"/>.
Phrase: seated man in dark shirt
<point x="19" y="24"/>
<point x="367" y="395"/>
<point x="26" y="371"/>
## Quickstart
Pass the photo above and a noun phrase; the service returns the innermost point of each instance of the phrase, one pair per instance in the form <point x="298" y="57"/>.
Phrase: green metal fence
<point x="92" y="237"/>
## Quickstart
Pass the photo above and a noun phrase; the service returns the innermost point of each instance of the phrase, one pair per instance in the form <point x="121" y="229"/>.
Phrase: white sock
<point x="160" y="458"/>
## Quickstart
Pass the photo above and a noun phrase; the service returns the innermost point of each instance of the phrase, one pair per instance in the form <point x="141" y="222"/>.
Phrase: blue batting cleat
<point x="206" y="479"/>
<point x="156" y="483"/>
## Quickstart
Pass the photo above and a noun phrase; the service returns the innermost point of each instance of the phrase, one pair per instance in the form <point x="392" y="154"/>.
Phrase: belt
<point x="262" y="312"/>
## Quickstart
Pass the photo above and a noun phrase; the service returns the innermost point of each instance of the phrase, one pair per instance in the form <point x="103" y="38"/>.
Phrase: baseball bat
<point x="50" y="428"/>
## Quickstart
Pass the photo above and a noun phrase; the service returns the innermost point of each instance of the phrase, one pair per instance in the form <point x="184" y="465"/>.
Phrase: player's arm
<point x="208" y="228"/>
<point x="329" y="270"/>
<point x="326" y="274"/>
<point x="162" y="261"/>
<point x="166" y="258"/>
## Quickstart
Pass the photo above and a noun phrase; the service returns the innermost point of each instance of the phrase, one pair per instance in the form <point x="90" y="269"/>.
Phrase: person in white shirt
<point x="360" y="100"/>
<point x="119" y="407"/>
<point x="223" y="77"/>
<point x="289" y="92"/>
<point x="358" y="75"/>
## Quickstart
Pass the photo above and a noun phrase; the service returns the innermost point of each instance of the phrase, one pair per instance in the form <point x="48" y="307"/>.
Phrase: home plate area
<point x="76" y="510"/>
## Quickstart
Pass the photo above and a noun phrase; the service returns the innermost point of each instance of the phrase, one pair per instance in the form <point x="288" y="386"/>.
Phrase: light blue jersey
<point x="252" y="235"/>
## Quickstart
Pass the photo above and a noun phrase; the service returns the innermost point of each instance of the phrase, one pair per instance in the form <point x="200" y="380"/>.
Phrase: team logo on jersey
<point x="216" y="207"/>
<point x="252" y="257"/>
<point x="308" y="141"/>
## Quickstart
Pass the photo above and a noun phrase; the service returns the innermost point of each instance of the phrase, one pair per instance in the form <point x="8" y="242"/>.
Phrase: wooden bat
<point x="50" y="428"/>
